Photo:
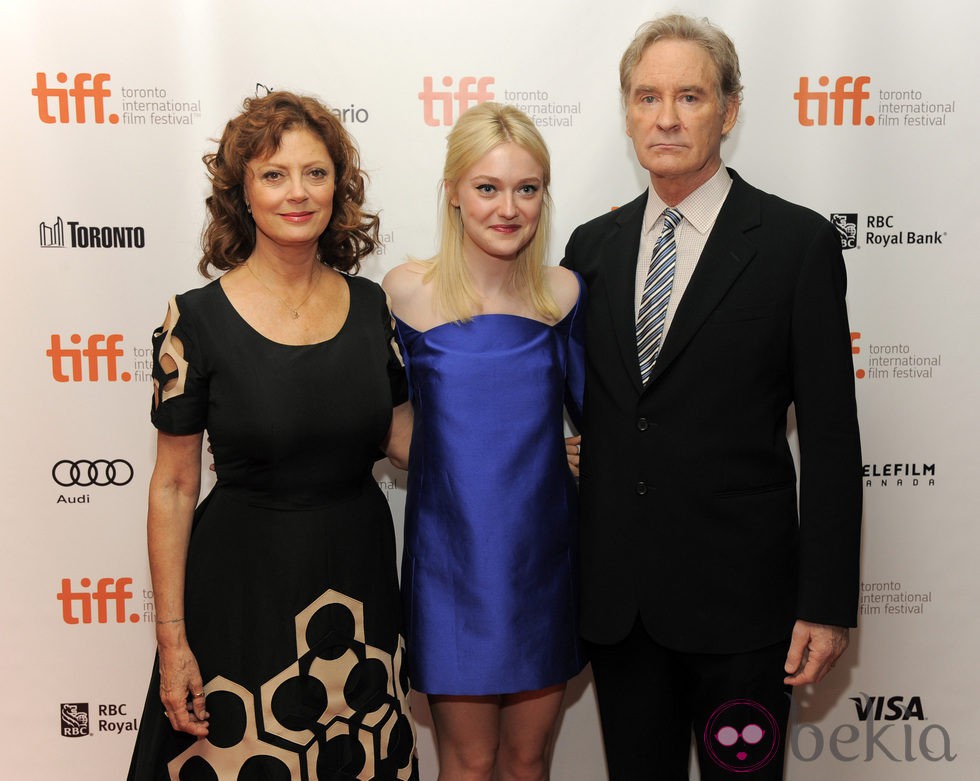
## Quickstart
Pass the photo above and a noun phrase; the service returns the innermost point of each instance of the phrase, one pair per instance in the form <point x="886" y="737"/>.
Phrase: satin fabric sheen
<point x="490" y="565"/>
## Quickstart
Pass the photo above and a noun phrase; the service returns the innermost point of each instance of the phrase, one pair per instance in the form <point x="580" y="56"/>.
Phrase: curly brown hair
<point x="229" y="236"/>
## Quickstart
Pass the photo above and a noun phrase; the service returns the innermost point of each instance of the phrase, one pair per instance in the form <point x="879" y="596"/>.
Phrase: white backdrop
<point x="109" y="108"/>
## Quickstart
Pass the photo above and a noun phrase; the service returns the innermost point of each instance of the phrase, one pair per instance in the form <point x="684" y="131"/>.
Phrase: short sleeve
<point x="396" y="370"/>
<point x="180" y="391"/>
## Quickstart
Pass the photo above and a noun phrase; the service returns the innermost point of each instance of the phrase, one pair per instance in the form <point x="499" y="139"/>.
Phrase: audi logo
<point x="98" y="472"/>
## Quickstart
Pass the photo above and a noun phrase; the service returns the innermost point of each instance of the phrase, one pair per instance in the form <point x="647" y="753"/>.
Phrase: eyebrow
<point x="495" y="180"/>
<point x="695" y="88"/>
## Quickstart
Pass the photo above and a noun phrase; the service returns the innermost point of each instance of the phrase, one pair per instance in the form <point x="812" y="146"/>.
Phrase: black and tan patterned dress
<point x="291" y="603"/>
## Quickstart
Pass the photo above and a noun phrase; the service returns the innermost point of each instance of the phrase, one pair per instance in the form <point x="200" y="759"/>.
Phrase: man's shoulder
<point x="771" y="207"/>
<point x="615" y="216"/>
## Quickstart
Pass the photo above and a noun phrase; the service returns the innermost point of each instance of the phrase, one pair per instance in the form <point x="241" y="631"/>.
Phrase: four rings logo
<point x="100" y="472"/>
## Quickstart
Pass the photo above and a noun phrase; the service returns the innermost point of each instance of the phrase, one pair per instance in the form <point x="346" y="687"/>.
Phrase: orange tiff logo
<point x="64" y="105"/>
<point x="80" y="364"/>
<point x="110" y="597"/>
<point x="437" y="105"/>
<point x="848" y="92"/>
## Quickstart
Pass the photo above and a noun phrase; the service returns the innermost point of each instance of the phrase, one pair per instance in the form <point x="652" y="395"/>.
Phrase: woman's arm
<point x="399" y="439"/>
<point x="175" y="487"/>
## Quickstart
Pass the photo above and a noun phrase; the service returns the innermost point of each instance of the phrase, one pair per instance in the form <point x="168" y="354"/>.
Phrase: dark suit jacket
<point x="688" y="489"/>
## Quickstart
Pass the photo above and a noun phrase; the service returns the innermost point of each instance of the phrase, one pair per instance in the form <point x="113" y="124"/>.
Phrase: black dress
<point x="291" y="605"/>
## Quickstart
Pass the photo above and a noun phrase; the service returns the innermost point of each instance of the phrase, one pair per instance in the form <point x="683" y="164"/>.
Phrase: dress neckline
<point x="568" y="315"/>
<point x="254" y="330"/>
<point x="542" y="323"/>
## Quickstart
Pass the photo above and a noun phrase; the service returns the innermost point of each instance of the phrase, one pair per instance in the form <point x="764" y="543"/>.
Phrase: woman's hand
<point x="182" y="690"/>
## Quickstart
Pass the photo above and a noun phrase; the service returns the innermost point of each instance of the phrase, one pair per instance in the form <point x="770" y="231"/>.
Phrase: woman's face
<point x="290" y="192"/>
<point x="499" y="200"/>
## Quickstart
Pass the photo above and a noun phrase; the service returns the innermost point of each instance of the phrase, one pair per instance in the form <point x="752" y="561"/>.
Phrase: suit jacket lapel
<point x="619" y="271"/>
<point x="724" y="258"/>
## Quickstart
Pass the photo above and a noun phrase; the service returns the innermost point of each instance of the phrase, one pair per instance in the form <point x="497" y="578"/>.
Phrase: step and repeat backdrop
<point x="867" y="112"/>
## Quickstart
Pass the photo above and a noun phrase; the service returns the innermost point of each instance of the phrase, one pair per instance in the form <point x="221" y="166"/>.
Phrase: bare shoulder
<point x="404" y="280"/>
<point x="564" y="286"/>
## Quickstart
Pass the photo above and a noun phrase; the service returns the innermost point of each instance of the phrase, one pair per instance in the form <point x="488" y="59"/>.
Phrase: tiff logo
<point x="87" y="91"/>
<point x="53" y="235"/>
<point x="100" y="348"/>
<point x="437" y="105"/>
<point x="76" y="606"/>
<point x="847" y="91"/>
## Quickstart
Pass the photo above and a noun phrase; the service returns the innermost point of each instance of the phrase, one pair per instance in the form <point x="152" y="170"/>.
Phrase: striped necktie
<point x="656" y="295"/>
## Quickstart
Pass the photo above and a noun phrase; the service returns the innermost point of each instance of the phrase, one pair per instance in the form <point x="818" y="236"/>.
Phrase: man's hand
<point x="573" y="448"/>
<point x="813" y="651"/>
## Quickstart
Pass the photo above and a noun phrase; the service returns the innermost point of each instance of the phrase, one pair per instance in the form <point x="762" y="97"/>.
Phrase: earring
<point x="248" y="207"/>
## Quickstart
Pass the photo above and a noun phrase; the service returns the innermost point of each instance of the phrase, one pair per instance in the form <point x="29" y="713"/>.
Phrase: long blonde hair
<point x="477" y="132"/>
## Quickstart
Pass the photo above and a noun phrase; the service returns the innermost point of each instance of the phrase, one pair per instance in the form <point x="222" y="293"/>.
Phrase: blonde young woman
<point x="492" y="341"/>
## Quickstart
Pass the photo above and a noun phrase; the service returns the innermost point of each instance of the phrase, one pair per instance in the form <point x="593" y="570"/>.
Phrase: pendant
<point x="294" y="313"/>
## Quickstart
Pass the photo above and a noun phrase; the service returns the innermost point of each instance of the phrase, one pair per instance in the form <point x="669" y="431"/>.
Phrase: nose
<point x="668" y="119"/>
<point x="297" y="189"/>
<point x="508" y="205"/>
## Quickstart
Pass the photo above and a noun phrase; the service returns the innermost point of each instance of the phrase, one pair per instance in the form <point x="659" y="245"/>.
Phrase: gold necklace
<point x="293" y="310"/>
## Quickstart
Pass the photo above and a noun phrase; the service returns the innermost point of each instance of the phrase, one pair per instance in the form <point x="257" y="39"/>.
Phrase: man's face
<point x="674" y="118"/>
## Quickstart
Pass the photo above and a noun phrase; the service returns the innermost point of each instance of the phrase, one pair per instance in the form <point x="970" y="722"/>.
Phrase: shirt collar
<point x="700" y="208"/>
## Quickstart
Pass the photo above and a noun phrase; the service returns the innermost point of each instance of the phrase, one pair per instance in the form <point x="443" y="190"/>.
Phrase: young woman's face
<point x="499" y="200"/>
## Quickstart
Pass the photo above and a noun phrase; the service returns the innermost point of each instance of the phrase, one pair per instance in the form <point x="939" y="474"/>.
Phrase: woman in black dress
<point x="277" y="608"/>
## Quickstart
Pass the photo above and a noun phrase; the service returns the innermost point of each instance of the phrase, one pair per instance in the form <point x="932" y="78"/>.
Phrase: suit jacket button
<point x="641" y="488"/>
<point x="642" y="424"/>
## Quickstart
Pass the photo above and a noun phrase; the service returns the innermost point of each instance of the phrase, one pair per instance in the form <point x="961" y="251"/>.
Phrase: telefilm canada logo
<point x="853" y="101"/>
<point x="112" y="718"/>
<point x="882" y="230"/>
<point x="81" y="236"/>
<point x="88" y="98"/>
<point x="900" y="474"/>
<point x="887" y="728"/>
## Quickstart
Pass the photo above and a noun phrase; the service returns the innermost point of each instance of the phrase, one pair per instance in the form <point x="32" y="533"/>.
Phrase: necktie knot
<point x="672" y="218"/>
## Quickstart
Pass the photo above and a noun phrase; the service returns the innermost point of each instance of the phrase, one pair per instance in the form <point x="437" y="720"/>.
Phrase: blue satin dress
<point x="490" y="563"/>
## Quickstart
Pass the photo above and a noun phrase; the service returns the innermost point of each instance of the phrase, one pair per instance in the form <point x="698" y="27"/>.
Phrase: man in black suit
<point x="709" y="589"/>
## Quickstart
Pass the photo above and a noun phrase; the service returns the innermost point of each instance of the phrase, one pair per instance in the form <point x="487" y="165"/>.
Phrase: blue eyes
<point x="524" y="189"/>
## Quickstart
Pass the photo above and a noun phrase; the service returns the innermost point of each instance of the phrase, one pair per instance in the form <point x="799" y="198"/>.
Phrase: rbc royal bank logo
<point x="77" y="104"/>
<point x="438" y="105"/>
<point x="844" y="103"/>
<point x="74" y="719"/>
<point x="847" y="229"/>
